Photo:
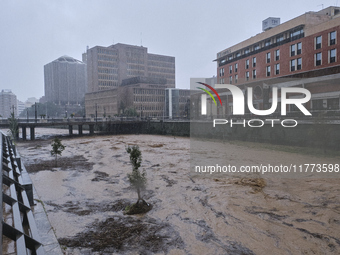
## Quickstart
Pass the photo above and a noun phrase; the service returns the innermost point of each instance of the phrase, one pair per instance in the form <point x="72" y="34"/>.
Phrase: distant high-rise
<point x="107" y="67"/>
<point x="65" y="81"/>
<point x="8" y="103"/>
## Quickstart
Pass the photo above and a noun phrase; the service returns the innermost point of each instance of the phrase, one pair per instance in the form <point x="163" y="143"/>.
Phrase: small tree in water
<point x="57" y="149"/>
<point x="13" y="127"/>
<point x="137" y="180"/>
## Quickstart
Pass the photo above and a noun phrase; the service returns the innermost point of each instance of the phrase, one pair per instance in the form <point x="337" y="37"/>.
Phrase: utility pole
<point x="35" y="112"/>
<point x="96" y="113"/>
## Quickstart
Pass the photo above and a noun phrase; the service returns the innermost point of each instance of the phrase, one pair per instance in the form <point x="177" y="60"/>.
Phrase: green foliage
<point x="131" y="112"/>
<point x="137" y="179"/>
<point x="57" y="148"/>
<point x="13" y="127"/>
<point x="135" y="156"/>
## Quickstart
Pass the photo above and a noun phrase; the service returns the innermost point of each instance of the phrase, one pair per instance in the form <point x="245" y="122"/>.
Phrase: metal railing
<point x="18" y="229"/>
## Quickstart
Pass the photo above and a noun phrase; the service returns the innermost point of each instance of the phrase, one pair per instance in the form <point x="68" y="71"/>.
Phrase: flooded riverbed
<point x="85" y="196"/>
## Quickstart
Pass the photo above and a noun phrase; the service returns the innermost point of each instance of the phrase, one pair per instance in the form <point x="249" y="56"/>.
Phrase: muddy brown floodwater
<point x="86" y="194"/>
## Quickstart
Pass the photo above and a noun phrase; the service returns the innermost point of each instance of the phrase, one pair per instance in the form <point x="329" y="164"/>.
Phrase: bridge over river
<point x="80" y="123"/>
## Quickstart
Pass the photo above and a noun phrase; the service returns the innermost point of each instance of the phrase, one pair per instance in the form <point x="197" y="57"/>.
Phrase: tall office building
<point x="8" y="103"/>
<point x="107" y="67"/>
<point x="65" y="81"/>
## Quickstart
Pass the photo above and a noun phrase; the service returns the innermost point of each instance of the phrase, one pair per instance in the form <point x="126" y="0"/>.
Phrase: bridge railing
<point x="18" y="228"/>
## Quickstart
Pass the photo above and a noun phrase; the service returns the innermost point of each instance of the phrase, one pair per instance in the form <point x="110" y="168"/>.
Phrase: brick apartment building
<point x="302" y="52"/>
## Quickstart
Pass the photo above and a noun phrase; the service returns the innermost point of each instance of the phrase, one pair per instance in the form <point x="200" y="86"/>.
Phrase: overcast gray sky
<point x="36" y="32"/>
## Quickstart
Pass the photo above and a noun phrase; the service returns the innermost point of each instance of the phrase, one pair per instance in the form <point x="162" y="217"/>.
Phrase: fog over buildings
<point x="192" y="32"/>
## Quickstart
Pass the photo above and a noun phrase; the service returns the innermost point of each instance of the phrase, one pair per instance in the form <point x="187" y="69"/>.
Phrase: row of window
<point x="168" y="77"/>
<point x="247" y="63"/>
<point x="296" y="33"/>
<point x="108" y="71"/>
<point x="161" y="64"/>
<point x="135" y="73"/>
<point x="108" y="52"/>
<point x="331" y="40"/>
<point x="295" y="49"/>
<point x="148" y="91"/>
<point x="107" y="58"/>
<point x="331" y="57"/>
<point x="295" y="64"/>
<point x="161" y="58"/>
<point x="107" y="77"/>
<point x="149" y="108"/>
<point x="161" y="70"/>
<point x="148" y="99"/>
<point x="107" y="64"/>
<point x="107" y="83"/>
<point x="135" y="60"/>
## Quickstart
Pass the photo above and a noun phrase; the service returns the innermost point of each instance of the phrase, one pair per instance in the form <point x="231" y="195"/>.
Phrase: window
<point x="277" y="69"/>
<point x="230" y="69"/>
<point x="268" y="57"/>
<point x="299" y="64"/>
<point x="246" y="51"/>
<point x="236" y="78"/>
<point x="277" y="55"/>
<point x="221" y="72"/>
<point x="236" y="67"/>
<point x="332" y="38"/>
<point x="279" y="38"/>
<point x="318" y="59"/>
<point x="318" y="42"/>
<point x="222" y="81"/>
<point x="247" y="63"/>
<point x="254" y="74"/>
<point x="267" y="43"/>
<point x="332" y="56"/>
<point x="299" y="48"/>
<point x="297" y="33"/>
<point x="254" y="61"/>
<point x="238" y="54"/>
<point x="292" y="65"/>
<point x="256" y="47"/>
<point x="247" y="76"/>
<point x="230" y="79"/>
<point x="268" y="70"/>
<point x="292" y="50"/>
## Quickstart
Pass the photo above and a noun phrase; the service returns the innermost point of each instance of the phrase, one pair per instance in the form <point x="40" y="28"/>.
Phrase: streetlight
<point x="96" y="113"/>
<point x="35" y="112"/>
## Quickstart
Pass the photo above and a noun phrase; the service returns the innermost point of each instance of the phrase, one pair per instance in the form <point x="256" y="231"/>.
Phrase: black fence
<point x="18" y="229"/>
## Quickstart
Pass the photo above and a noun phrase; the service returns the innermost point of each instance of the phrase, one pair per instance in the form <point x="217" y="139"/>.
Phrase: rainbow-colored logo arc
<point x="208" y="92"/>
